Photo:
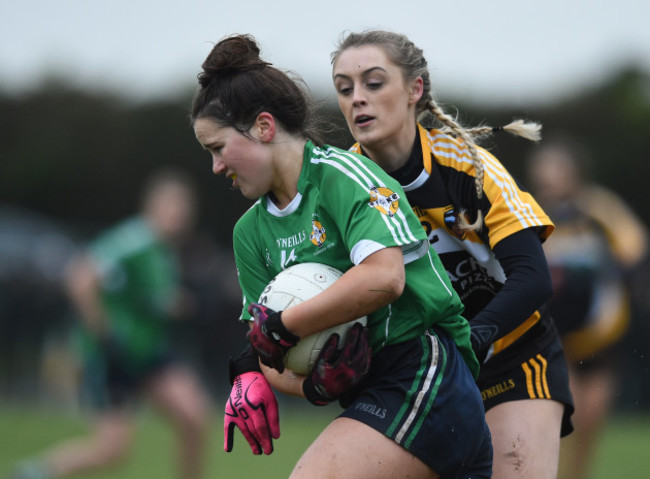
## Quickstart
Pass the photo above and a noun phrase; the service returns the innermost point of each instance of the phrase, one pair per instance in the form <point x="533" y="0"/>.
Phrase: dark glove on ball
<point x="268" y="336"/>
<point x="337" y="371"/>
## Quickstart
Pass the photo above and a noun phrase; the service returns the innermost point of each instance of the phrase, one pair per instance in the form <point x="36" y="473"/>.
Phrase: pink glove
<point x="253" y="408"/>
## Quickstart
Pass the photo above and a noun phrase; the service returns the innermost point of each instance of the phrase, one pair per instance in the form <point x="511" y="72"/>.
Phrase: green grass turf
<point x="623" y="451"/>
<point x="25" y="432"/>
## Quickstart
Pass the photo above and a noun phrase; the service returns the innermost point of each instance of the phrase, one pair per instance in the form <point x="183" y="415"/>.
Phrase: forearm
<point x="376" y="282"/>
<point x="527" y="287"/>
<point x="82" y="285"/>
<point x="288" y="382"/>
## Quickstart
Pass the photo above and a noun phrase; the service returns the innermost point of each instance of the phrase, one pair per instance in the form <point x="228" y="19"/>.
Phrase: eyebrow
<point x="210" y="145"/>
<point x="364" y="73"/>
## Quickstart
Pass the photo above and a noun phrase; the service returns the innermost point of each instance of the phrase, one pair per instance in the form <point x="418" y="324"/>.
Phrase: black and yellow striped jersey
<point x="444" y="186"/>
<point x="597" y="240"/>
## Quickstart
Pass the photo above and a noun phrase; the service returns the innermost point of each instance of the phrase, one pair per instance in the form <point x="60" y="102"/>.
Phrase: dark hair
<point x="236" y="85"/>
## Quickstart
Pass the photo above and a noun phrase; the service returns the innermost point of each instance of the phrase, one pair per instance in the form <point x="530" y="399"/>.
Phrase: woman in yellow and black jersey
<point x="487" y="231"/>
<point x="445" y="182"/>
<point x="598" y="246"/>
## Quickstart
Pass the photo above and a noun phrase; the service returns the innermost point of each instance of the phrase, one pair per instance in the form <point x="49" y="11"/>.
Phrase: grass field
<point x="624" y="450"/>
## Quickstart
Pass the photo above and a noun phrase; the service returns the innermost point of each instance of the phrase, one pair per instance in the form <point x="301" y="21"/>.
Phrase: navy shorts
<point x="528" y="370"/>
<point x="112" y="384"/>
<point x="422" y="395"/>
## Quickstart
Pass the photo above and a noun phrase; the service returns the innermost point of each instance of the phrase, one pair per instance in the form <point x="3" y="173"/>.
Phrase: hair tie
<point x="496" y="129"/>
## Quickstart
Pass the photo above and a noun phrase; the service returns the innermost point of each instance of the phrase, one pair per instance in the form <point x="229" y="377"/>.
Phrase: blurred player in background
<point x="487" y="231"/>
<point x="126" y="290"/>
<point x="597" y="245"/>
<point x="417" y="410"/>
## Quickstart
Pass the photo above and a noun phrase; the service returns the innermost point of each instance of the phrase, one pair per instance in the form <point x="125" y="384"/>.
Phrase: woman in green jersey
<point x="127" y="289"/>
<point x="417" y="412"/>
<point x="487" y="231"/>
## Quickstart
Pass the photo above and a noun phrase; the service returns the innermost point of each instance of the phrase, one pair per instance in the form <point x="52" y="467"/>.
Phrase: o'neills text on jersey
<point x="291" y="241"/>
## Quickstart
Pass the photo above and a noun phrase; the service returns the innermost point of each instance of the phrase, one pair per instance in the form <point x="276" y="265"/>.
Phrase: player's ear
<point x="265" y="127"/>
<point x="415" y="89"/>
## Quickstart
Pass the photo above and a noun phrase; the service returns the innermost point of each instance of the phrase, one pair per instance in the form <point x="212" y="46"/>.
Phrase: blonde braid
<point x="460" y="132"/>
<point x="528" y="130"/>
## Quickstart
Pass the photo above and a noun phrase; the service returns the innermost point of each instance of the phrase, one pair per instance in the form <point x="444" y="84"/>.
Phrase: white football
<point x="293" y="286"/>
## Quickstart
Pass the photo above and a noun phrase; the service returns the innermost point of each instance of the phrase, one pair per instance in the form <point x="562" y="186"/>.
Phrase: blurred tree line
<point x="78" y="157"/>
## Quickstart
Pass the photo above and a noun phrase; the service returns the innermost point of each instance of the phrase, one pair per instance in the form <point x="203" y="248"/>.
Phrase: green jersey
<point x="346" y="209"/>
<point x="138" y="279"/>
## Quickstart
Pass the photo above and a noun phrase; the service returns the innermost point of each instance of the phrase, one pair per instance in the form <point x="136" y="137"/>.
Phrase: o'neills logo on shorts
<point x="384" y="200"/>
<point x="497" y="389"/>
<point x="373" y="409"/>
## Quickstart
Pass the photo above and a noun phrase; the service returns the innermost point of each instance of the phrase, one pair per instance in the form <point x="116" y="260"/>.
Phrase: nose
<point x="358" y="97"/>
<point x="218" y="166"/>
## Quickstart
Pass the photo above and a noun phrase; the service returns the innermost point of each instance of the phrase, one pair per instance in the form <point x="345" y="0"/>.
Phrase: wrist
<point x="312" y="394"/>
<point x="482" y="337"/>
<point x="246" y="362"/>
<point x="275" y="329"/>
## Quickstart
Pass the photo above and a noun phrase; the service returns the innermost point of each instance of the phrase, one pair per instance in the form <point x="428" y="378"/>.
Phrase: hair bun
<point x="230" y="56"/>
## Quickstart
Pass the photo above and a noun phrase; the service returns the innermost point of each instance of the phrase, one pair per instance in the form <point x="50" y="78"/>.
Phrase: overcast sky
<point x="509" y="51"/>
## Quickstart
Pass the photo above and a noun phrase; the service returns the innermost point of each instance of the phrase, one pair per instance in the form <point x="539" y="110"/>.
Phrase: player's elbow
<point x="536" y="286"/>
<point x="545" y="286"/>
<point x="80" y="277"/>
<point x="397" y="283"/>
<point x="393" y="285"/>
<point x="384" y="273"/>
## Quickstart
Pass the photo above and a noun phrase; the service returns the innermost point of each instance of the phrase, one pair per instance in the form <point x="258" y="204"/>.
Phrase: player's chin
<point x="250" y="193"/>
<point x="367" y="137"/>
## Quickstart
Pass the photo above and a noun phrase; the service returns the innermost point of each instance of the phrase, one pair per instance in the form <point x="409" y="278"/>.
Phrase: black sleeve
<point x="527" y="287"/>
<point x="247" y="361"/>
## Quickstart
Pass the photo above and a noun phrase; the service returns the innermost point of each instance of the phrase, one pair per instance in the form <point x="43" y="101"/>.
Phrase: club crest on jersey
<point x="384" y="200"/>
<point x="317" y="236"/>
<point x="452" y="222"/>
